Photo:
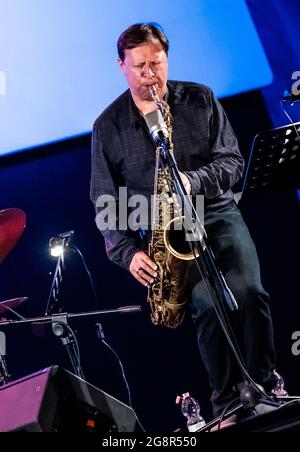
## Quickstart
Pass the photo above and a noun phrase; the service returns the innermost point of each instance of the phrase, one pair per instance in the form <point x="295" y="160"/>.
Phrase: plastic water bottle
<point x="191" y="410"/>
<point x="279" y="388"/>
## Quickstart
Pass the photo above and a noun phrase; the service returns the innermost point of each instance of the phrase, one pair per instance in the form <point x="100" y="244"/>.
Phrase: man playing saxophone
<point x="210" y="163"/>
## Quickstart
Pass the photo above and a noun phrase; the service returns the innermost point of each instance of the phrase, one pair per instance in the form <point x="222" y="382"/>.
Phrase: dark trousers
<point x="236" y="257"/>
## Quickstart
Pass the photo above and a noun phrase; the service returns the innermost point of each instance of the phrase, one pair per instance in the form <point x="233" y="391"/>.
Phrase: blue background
<point x="59" y="58"/>
<point x="51" y="184"/>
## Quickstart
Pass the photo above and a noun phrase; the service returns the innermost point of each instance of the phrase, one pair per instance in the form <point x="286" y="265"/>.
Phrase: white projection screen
<point x="58" y="66"/>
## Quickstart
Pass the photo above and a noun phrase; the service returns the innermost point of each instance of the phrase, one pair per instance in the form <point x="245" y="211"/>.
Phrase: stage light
<point x="56" y="246"/>
<point x="59" y="243"/>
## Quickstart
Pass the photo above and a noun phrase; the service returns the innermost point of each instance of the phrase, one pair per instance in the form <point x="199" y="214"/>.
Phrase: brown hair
<point x="140" y="33"/>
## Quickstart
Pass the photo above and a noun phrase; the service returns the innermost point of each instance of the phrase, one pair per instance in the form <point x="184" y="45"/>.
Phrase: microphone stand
<point x="214" y="274"/>
<point x="211" y="274"/>
<point x="59" y="322"/>
<point x="56" y="317"/>
<point x="61" y="329"/>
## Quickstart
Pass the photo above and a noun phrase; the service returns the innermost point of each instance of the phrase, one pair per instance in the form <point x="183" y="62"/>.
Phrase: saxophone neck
<point x="159" y="103"/>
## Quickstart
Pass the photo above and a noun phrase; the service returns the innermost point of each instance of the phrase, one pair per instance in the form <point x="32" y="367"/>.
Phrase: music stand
<point x="274" y="162"/>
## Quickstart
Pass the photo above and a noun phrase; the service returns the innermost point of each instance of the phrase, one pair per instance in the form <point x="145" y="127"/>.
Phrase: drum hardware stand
<point x="12" y="224"/>
<point x="4" y="375"/>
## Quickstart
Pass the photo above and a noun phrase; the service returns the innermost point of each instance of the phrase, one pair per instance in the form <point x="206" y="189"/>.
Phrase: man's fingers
<point x="186" y="183"/>
<point x="149" y="262"/>
<point x="143" y="268"/>
<point x="144" y="277"/>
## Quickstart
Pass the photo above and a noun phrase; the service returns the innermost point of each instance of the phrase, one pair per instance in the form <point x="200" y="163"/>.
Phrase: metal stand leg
<point x="4" y="375"/>
<point x="61" y="329"/>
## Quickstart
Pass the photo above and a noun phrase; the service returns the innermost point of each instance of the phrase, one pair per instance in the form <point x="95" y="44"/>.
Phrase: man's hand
<point x="186" y="183"/>
<point x="143" y="268"/>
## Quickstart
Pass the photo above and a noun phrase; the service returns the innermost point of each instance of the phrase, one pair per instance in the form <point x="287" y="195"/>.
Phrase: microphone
<point x="157" y="127"/>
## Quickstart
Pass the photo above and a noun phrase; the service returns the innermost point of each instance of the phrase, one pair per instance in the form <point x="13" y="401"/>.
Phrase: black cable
<point x="101" y="337"/>
<point x="223" y="319"/>
<point x="231" y="339"/>
<point x="76" y="365"/>
<point x="100" y="333"/>
<point x="92" y="284"/>
<point x="225" y="411"/>
<point x="218" y="305"/>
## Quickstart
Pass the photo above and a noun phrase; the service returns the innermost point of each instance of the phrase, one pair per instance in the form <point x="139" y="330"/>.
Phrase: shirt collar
<point x="134" y="116"/>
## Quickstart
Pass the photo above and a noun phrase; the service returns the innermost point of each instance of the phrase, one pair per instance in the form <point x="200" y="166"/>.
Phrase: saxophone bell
<point x="176" y="240"/>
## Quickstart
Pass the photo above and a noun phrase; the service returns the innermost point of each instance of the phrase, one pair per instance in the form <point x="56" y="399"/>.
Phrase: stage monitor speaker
<point x="56" y="400"/>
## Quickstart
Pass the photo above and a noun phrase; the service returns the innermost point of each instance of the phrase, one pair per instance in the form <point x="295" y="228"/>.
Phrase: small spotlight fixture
<point x="56" y="247"/>
<point x="59" y="243"/>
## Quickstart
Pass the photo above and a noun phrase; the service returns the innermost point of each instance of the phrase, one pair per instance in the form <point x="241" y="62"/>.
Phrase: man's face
<point x="145" y="66"/>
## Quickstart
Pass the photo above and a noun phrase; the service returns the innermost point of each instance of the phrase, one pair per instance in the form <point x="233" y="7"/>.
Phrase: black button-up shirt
<point x="123" y="154"/>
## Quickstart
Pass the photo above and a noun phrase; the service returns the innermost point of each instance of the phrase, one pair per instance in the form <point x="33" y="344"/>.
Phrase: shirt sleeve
<point x="226" y="168"/>
<point x="120" y="245"/>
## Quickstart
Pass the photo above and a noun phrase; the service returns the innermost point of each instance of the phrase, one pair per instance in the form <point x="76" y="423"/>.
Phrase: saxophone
<point x="167" y="294"/>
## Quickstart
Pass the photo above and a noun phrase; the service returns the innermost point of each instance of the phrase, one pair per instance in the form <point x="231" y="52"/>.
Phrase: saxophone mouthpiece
<point x="153" y="92"/>
<point x="158" y="102"/>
